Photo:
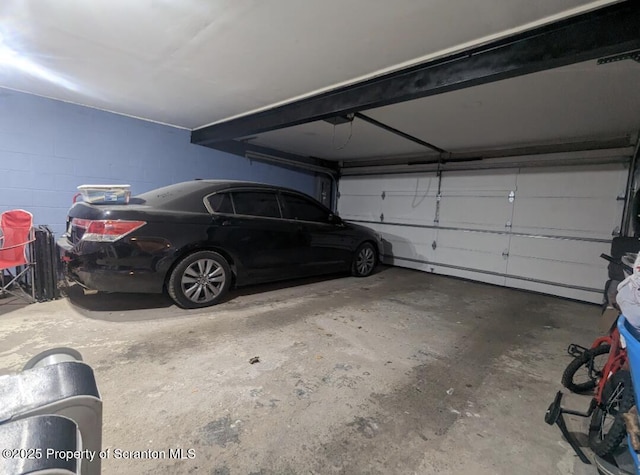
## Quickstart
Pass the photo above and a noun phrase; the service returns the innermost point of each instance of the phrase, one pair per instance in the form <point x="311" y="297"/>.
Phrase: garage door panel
<point x="370" y="186"/>
<point x="408" y="242"/>
<point x="596" y="181"/>
<point x="571" y="273"/>
<point x="465" y="274"/>
<point x="585" y="252"/>
<point x="409" y="264"/>
<point x="409" y="209"/>
<point x="472" y="250"/>
<point x="359" y="207"/>
<point x="410" y="199"/>
<point x="490" y="213"/>
<point x="589" y="217"/>
<point x="419" y="184"/>
<point x="582" y="295"/>
<point x="562" y="264"/>
<point x="478" y="181"/>
<point x="570" y="201"/>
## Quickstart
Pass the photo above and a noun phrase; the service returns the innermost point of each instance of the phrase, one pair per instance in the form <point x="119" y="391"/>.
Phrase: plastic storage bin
<point x="105" y="194"/>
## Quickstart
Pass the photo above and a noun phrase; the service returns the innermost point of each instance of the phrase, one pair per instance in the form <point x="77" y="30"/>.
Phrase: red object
<point x="107" y="230"/>
<point x="16" y="229"/>
<point x="616" y="361"/>
<point x="17" y="234"/>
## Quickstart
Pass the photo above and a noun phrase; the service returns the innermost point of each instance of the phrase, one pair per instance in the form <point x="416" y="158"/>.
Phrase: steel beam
<point x="608" y="31"/>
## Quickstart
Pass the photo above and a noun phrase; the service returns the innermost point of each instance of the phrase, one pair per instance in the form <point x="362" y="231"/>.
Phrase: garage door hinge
<point x="438" y="196"/>
<point x="508" y="224"/>
<point x="512" y="196"/>
<point x="505" y="254"/>
<point x="383" y="194"/>
<point x="434" y="245"/>
<point x="381" y="216"/>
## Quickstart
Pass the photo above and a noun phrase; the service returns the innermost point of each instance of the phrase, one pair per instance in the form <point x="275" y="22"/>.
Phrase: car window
<point x="256" y="203"/>
<point x="220" y="203"/>
<point x="297" y="207"/>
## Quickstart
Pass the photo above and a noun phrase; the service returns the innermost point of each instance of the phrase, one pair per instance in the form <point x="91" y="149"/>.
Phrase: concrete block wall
<point x="49" y="147"/>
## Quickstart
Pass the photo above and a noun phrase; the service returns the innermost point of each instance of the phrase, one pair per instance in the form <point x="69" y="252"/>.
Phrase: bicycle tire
<point x="617" y="398"/>
<point x="584" y="360"/>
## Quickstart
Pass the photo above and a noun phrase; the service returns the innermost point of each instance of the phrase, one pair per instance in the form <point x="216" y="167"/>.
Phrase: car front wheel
<point x="365" y="260"/>
<point x="199" y="280"/>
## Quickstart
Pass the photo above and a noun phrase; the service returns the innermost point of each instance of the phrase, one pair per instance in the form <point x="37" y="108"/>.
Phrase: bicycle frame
<point x="616" y="361"/>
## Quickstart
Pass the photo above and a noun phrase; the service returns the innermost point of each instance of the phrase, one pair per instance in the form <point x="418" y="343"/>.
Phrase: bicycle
<point x="613" y="394"/>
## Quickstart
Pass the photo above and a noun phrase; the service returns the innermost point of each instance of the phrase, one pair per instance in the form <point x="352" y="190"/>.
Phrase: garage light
<point x="10" y="58"/>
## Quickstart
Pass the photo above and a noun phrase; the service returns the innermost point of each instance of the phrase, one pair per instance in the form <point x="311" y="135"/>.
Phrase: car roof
<point x="187" y="194"/>
<point x="213" y="185"/>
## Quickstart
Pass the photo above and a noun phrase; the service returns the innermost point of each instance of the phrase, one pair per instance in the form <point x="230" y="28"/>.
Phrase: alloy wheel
<point x="365" y="261"/>
<point x="203" y="280"/>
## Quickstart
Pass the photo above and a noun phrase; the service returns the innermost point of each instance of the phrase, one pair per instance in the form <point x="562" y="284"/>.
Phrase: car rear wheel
<point x="365" y="260"/>
<point x="199" y="280"/>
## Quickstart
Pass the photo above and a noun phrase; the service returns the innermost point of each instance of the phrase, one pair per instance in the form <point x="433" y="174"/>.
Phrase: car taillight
<point x="106" y="230"/>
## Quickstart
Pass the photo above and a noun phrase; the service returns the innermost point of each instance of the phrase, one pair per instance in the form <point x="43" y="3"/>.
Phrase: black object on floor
<point x="47" y="265"/>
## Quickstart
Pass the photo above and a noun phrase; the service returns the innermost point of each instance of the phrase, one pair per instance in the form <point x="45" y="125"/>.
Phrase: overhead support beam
<point x="593" y="149"/>
<point x="272" y="155"/>
<point x="398" y="132"/>
<point x="605" y="32"/>
<point x="597" y="157"/>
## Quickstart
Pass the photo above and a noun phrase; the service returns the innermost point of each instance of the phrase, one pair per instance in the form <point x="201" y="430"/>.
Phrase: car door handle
<point x="221" y="221"/>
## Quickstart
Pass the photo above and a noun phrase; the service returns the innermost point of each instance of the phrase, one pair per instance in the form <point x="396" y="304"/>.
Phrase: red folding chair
<point x="17" y="235"/>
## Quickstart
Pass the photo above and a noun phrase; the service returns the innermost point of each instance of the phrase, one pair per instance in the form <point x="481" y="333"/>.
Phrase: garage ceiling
<point x="189" y="63"/>
<point x="581" y="101"/>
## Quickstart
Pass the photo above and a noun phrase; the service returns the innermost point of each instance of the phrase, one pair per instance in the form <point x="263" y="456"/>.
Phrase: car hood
<point x="362" y="229"/>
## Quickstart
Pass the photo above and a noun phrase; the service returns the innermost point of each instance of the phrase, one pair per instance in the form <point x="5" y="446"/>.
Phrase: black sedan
<point x="196" y="239"/>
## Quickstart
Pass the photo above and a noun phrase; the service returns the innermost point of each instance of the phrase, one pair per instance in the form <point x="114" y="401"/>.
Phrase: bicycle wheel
<point x="607" y="428"/>
<point x="583" y="373"/>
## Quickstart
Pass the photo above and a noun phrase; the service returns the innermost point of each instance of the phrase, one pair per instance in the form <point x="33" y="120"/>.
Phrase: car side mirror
<point x="334" y="219"/>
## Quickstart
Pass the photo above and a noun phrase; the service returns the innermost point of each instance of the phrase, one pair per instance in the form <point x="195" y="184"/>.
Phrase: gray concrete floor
<point x="403" y="372"/>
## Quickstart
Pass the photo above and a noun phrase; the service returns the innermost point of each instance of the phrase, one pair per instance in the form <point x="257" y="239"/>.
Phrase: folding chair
<point x="17" y="235"/>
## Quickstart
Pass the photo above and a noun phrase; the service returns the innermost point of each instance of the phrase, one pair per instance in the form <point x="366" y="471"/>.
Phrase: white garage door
<point x="540" y="229"/>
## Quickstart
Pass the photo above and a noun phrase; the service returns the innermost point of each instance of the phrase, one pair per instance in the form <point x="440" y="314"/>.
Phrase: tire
<point x="577" y="376"/>
<point x="199" y="280"/>
<point x="607" y="428"/>
<point x="365" y="260"/>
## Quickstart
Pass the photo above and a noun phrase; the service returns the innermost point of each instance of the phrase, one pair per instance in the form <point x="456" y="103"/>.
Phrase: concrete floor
<point x="403" y="372"/>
